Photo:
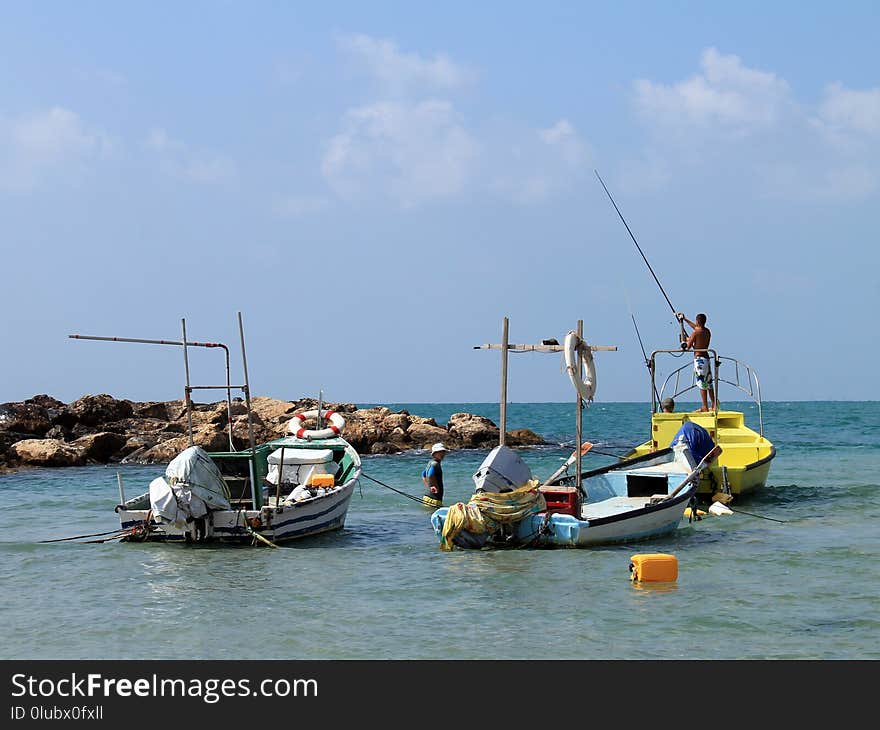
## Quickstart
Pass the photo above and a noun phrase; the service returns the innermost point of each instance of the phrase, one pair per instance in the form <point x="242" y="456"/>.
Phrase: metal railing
<point x="744" y="378"/>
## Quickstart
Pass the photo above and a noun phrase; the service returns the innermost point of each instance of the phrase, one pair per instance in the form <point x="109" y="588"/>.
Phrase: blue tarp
<point x="697" y="439"/>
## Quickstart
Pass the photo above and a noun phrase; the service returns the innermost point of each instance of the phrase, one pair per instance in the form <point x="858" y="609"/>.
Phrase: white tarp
<point x="501" y="471"/>
<point x="193" y="470"/>
<point x="175" y="505"/>
<point x="301" y="456"/>
<point x="300" y="464"/>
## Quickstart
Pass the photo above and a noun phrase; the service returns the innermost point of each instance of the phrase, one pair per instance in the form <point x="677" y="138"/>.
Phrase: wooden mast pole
<point x="580" y="405"/>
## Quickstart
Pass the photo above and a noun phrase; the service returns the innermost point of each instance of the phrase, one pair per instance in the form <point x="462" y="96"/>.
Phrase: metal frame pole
<point x="187" y="399"/>
<point x="256" y="494"/>
<point x="502" y="436"/>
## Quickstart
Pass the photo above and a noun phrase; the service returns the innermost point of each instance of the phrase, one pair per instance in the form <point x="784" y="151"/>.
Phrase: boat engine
<point x="501" y="471"/>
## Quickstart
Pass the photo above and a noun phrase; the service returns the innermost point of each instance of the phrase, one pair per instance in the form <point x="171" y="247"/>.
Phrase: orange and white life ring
<point x="298" y="429"/>
<point x="585" y="388"/>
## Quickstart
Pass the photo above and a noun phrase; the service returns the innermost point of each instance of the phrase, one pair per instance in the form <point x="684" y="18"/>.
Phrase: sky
<point x="376" y="186"/>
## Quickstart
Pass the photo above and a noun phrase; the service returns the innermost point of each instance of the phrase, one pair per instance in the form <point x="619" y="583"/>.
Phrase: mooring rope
<point x="409" y="496"/>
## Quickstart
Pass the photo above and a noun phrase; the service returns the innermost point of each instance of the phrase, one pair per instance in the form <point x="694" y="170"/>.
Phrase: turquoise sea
<point x="807" y="587"/>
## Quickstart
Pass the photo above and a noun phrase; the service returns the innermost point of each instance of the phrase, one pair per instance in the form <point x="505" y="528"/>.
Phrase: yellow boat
<point x="744" y="464"/>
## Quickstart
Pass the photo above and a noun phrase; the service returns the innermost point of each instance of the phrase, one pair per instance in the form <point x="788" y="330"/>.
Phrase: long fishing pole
<point x="645" y="258"/>
<point x="642" y="345"/>
<point x="645" y="356"/>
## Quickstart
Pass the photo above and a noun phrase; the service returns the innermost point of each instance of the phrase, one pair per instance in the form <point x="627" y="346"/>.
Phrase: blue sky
<point x="376" y="185"/>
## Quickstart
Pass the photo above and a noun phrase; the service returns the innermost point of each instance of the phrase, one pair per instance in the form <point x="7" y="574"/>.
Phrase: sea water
<point x="804" y="587"/>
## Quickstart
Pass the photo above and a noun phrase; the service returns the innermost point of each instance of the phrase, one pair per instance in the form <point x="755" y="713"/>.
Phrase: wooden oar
<point x="585" y="447"/>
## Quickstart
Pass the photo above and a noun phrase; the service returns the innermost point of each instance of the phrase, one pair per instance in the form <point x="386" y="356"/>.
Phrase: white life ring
<point x="585" y="388"/>
<point x="297" y="425"/>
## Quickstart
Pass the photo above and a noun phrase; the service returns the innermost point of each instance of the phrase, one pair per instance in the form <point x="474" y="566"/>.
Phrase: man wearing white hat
<point x="432" y="476"/>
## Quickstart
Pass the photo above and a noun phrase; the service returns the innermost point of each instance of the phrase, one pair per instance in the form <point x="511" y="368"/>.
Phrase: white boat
<point x="271" y="493"/>
<point x="207" y="497"/>
<point x="627" y="501"/>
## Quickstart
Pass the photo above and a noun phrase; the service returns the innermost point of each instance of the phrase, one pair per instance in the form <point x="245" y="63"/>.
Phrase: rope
<point x="258" y="536"/>
<point x="772" y="519"/>
<point x="80" y="537"/>
<point x="408" y="496"/>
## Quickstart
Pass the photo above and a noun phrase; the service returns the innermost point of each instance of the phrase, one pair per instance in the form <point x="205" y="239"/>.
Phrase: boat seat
<point x="613" y="506"/>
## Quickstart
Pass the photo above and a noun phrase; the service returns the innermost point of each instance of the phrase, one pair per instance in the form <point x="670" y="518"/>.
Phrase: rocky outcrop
<point x="47" y="452"/>
<point x="100" y="429"/>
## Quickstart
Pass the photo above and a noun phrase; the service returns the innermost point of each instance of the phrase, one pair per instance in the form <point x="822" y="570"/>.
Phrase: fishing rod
<point x="642" y="345"/>
<point x="645" y="356"/>
<point x="645" y="258"/>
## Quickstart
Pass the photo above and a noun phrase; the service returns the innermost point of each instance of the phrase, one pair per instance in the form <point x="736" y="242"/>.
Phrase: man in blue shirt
<point x="432" y="476"/>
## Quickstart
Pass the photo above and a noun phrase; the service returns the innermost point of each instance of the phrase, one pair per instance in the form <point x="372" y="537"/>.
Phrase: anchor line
<point x="409" y="496"/>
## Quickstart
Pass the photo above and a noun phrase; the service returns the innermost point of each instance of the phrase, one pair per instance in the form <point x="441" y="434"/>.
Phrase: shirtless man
<point x="699" y="342"/>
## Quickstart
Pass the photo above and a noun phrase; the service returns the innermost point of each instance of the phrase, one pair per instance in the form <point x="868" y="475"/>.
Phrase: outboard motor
<point x="501" y="471"/>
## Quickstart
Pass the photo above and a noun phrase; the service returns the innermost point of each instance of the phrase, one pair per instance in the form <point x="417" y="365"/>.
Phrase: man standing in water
<point x="432" y="477"/>
<point x="699" y="342"/>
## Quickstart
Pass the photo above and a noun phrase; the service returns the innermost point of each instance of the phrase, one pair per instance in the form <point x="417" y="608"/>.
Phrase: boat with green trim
<point x="269" y="493"/>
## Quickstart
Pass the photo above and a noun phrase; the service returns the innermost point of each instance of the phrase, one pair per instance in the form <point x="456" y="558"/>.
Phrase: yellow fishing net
<point x="486" y="511"/>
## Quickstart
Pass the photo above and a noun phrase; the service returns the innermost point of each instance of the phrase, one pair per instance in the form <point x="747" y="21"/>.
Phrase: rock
<point x="271" y="411"/>
<point x="135" y="446"/>
<point x="26" y="417"/>
<point x="100" y="428"/>
<point x="7" y="440"/>
<point x="47" y="452"/>
<point x="399" y="437"/>
<point x="524" y="437"/>
<point x="151" y="409"/>
<point x="396" y="420"/>
<point x="94" y="410"/>
<point x="203" y="415"/>
<point x="56" y="432"/>
<point x="424" y="436"/>
<point x="384" y="447"/>
<point x="473" y="431"/>
<point x="99" y="447"/>
<point x="362" y="435"/>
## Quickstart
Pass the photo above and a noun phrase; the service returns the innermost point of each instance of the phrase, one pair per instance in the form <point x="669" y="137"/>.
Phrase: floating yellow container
<point x="653" y="567"/>
<point x="321" y="480"/>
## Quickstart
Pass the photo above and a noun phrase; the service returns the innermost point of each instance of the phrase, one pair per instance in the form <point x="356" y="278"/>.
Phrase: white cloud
<point x="46" y="143"/>
<point x="851" y="110"/>
<point x="181" y="161"/>
<point x="411" y="147"/>
<point x="399" y="72"/>
<point x="530" y="166"/>
<point x="563" y="138"/>
<point x="745" y="122"/>
<point x="725" y="93"/>
<point x="410" y="152"/>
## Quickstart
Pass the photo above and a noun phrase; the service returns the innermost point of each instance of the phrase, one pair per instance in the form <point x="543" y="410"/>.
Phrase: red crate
<point x="562" y="499"/>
